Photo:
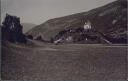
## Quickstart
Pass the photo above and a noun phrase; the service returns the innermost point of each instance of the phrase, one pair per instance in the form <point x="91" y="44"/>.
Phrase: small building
<point x="87" y="25"/>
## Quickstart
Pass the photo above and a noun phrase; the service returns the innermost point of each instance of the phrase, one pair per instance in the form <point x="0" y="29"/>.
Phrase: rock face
<point x="110" y="21"/>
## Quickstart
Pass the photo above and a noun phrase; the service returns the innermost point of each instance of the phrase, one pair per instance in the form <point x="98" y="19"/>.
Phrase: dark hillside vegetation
<point x="110" y="21"/>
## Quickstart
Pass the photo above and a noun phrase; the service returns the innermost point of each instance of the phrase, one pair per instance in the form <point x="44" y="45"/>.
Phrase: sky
<point x="39" y="11"/>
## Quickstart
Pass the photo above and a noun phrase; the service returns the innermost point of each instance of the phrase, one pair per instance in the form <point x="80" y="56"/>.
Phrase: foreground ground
<point x="64" y="62"/>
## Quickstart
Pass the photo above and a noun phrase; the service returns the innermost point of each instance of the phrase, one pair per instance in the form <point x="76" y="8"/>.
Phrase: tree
<point x="12" y="30"/>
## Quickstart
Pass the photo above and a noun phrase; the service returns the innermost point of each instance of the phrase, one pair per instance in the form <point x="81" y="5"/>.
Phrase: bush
<point x="30" y="37"/>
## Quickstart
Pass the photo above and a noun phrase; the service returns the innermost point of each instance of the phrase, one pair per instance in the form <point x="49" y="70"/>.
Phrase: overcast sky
<point x="38" y="11"/>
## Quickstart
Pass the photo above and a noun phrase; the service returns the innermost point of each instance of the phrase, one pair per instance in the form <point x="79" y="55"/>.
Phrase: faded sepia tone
<point x="64" y="40"/>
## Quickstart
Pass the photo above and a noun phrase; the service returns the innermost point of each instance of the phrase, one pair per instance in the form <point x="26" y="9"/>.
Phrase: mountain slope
<point x="110" y="20"/>
<point x="27" y="26"/>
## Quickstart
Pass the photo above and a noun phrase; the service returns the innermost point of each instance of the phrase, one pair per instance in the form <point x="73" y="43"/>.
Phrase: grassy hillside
<point x="110" y="20"/>
<point x="27" y="26"/>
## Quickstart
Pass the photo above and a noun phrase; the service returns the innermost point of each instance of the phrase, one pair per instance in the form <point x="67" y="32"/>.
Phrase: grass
<point x="64" y="62"/>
